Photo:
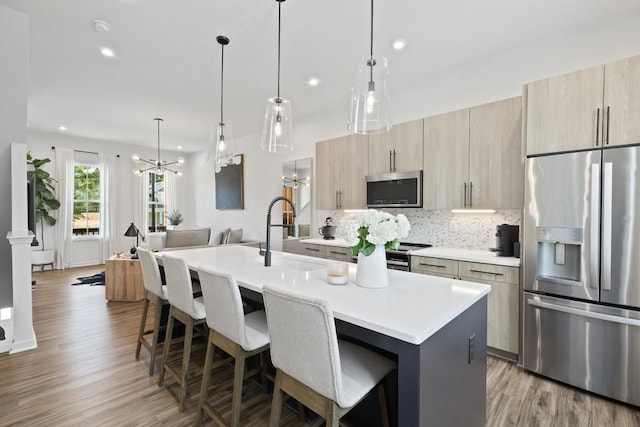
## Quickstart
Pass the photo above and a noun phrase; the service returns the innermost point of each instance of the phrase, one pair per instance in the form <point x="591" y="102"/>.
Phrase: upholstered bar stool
<point x="156" y="294"/>
<point x="186" y="309"/>
<point x="240" y="336"/>
<point x="327" y="375"/>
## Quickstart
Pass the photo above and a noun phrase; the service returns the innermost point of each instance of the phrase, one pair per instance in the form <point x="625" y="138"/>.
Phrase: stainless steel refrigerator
<point x="582" y="270"/>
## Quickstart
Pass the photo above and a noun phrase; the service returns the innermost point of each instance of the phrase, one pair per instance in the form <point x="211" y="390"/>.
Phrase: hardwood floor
<point x="84" y="373"/>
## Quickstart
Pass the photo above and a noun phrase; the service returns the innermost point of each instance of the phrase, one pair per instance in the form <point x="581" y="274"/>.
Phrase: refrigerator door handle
<point x="607" y="205"/>
<point x="595" y="225"/>
<point x="584" y="313"/>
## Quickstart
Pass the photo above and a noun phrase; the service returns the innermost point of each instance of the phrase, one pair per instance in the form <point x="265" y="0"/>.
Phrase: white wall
<point x="14" y="75"/>
<point x="489" y="79"/>
<point x="86" y="251"/>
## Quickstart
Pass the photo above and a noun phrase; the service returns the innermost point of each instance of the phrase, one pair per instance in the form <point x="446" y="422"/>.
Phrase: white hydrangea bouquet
<point x="369" y="228"/>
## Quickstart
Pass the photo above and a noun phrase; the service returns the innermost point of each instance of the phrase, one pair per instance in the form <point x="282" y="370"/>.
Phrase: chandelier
<point x="158" y="166"/>
<point x="294" y="181"/>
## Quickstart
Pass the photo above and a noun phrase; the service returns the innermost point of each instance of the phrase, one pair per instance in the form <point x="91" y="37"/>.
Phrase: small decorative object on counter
<point x="328" y="231"/>
<point x="118" y="254"/>
<point x="338" y="273"/>
<point x="369" y="233"/>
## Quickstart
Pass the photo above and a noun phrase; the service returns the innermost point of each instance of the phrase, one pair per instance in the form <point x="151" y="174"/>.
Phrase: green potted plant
<point x="174" y="219"/>
<point x="45" y="203"/>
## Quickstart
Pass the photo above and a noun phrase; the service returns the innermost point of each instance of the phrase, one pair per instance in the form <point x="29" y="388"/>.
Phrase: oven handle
<point x="394" y="262"/>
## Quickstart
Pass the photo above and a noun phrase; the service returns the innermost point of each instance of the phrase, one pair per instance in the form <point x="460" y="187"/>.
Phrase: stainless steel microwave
<point x="395" y="190"/>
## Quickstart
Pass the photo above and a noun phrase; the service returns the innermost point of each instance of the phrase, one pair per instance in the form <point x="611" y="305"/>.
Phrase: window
<point x="157" y="207"/>
<point x="86" y="200"/>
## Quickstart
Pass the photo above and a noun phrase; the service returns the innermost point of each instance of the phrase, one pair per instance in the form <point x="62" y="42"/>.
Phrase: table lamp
<point x="133" y="231"/>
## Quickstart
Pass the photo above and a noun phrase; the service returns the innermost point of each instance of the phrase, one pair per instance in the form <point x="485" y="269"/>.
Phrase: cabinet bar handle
<point x="607" y="125"/>
<point x="464" y="195"/>
<point x="337" y="253"/>
<point x="340" y="198"/>
<point x="312" y="249"/>
<point x="470" y="194"/>
<point x="432" y="265"/>
<point x="486" y="272"/>
<point x="597" y="126"/>
<point x="390" y="162"/>
<point x="394" y="160"/>
<point x="337" y="205"/>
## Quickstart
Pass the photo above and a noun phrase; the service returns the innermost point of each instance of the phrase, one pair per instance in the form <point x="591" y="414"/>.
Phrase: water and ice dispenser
<point x="559" y="255"/>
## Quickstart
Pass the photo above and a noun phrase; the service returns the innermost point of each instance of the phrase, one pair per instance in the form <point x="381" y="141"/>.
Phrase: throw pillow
<point x="217" y="237"/>
<point x="234" y="236"/>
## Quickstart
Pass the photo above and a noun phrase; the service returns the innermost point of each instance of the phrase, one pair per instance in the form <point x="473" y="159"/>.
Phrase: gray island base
<point x="435" y="328"/>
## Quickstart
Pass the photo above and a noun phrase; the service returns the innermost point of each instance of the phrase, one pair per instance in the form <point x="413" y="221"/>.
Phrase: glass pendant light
<point x="370" y="94"/>
<point x="223" y="137"/>
<point x="277" y="132"/>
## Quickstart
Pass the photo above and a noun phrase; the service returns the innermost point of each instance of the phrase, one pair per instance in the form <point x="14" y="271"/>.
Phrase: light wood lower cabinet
<point x="313" y="249"/>
<point x="502" y="302"/>
<point x="337" y="253"/>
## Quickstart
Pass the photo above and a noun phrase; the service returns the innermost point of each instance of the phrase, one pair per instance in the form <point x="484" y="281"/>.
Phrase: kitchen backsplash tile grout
<point x="443" y="228"/>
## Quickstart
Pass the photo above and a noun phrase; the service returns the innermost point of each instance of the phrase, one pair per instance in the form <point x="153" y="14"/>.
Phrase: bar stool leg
<point x="276" y="403"/>
<point x="167" y="345"/>
<point x="206" y="376"/>
<point x="155" y="336"/>
<point x="188" y="338"/>
<point x="143" y="322"/>
<point x="238" y="378"/>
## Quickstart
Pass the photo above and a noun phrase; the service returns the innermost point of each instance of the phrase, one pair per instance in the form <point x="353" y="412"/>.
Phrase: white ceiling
<point x="168" y="62"/>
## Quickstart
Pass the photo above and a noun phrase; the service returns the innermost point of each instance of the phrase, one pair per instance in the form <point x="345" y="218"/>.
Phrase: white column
<point x="24" y="337"/>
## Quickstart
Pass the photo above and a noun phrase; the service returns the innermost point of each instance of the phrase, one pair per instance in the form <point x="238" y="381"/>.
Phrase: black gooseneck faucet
<point x="267" y="253"/>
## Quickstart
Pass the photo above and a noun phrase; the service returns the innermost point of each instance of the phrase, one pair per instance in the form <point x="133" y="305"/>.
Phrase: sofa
<point x="195" y="238"/>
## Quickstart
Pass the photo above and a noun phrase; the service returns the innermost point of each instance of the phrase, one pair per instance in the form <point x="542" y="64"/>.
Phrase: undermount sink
<point x="294" y="264"/>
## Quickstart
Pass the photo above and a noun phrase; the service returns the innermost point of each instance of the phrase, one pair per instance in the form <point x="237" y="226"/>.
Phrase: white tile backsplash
<point x="446" y="229"/>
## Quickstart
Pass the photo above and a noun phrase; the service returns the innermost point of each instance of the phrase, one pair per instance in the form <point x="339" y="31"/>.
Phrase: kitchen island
<point x="434" y="327"/>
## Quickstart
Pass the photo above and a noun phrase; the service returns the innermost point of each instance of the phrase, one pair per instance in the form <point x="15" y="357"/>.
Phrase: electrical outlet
<point x="472" y="347"/>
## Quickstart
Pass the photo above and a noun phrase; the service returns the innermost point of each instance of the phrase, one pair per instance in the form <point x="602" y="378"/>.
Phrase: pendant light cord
<point x="279" y="17"/>
<point x="371" y="29"/>
<point x="222" y="88"/>
<point x="158" y="140"/>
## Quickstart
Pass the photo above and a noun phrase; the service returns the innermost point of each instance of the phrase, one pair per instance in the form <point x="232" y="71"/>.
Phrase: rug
<point x="95" y="280"/>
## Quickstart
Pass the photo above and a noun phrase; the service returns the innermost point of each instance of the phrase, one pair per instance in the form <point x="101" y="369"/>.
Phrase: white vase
<point x="372" y="269"/>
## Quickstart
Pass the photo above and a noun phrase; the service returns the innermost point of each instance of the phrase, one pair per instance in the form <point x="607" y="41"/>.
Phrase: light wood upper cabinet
<point x="340" y="173"/>
<point x="472" y="157"/>
<point x="590" y="108"/>
<point x="446" y="160"/>
<point x="399" y="150"/>
<point x="496" y="171"/>
<point x="622" y="102"/>
<point x="562" y="112"/>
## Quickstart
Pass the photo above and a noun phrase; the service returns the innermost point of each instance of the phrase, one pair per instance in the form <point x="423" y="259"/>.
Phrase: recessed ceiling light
<point x="62" y="128"/>
<point x="179" y="147"/>
<point x="101" y="26"/>
<point x="399" y="44"/>
<point x="107" y="51"/>
<point x="314" y="82"/>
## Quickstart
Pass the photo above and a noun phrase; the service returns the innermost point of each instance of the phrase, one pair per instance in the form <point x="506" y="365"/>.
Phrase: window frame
<point x="99" y="202"/>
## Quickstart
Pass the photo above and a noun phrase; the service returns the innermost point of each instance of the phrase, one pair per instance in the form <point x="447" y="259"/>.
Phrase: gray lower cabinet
<point x="502" y="302"/>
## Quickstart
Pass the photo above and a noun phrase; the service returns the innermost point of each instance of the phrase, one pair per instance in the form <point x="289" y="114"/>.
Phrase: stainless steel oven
<point x="400" y="259"/>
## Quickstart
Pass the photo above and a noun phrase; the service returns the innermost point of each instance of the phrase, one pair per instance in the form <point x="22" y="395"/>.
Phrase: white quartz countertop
<point x="328" y="242"/>
<point x="412" y="308"/>
<point x="485" y="257"/>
